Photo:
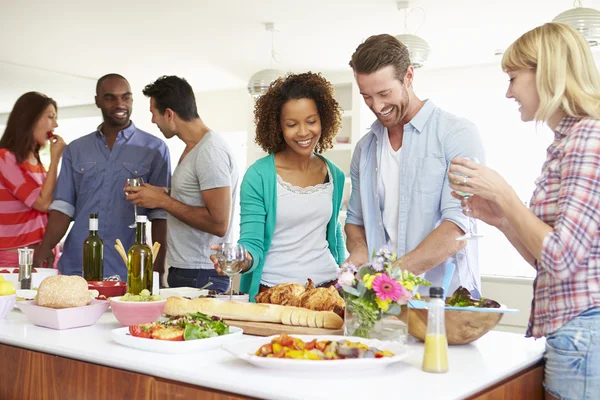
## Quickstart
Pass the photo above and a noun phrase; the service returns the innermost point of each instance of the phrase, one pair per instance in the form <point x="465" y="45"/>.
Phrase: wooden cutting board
<point x="268" y="329"/>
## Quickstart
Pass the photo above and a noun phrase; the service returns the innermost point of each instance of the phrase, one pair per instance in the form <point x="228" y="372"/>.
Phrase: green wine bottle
<point x="93" y="253"/>
<point x="139" y="260"/>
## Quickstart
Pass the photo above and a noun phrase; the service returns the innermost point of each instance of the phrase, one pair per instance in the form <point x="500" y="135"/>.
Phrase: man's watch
<point x="167" y="191"/>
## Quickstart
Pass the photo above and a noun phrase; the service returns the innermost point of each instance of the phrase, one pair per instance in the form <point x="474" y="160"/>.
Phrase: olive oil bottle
<point x="93" y="253"/>
<point x="139" y="260"/>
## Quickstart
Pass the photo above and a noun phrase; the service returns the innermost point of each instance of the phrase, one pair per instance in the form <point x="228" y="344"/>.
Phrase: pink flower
<point x="405" y="295"/>
<point x="387" y="288"/>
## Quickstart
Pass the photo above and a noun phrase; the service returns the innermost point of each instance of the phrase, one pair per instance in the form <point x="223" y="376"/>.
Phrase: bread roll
<point x="62" y="291"/>
<point x="254" y="312"/>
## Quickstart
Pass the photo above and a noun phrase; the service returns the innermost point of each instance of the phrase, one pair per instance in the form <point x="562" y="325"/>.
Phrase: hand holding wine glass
<point x="134" y="182"/>
<point x="466" y="194"/>
<point x="231" y="259"/>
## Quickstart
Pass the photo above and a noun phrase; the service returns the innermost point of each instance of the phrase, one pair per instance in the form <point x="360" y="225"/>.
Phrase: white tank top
<point x="299" y="248"/>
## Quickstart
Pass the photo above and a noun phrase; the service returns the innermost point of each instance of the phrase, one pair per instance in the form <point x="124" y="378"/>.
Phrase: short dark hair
<point x="175" y="93"/>
<point x="267" y="110"/>
<point x="18" y="135"/>
<point x="105" y="77"/>
<point x="379" y="51"/>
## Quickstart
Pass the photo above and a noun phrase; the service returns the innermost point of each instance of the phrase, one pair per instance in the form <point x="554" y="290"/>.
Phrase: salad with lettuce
<point x="463" y="298"/>
<point x="186" y="327"/>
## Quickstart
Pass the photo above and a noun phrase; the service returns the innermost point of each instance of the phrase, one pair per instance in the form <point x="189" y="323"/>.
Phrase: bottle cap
<point x="141" y="218"/>
<point x="94" y="216"/>
<point x="436" y="292"/>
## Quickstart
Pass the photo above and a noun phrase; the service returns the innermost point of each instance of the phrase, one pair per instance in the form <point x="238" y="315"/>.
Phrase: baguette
<point x="254" y="312"/>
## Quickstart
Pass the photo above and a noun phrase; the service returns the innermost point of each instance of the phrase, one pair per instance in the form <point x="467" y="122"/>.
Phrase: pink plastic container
<point x="64" y="318"/>
<point x="6" y="304"/>
<point x="133" y="312"/>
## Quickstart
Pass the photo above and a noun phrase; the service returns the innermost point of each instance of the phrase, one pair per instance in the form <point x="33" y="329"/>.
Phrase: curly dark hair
<point x="267" y="110"/>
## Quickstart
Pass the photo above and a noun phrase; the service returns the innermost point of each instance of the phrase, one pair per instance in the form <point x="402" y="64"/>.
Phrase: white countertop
<point x="473" y="367"/>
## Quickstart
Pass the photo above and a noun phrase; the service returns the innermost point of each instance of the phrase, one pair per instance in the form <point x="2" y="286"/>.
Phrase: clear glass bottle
<point x="435" y="358"/>
<point x="139" y="260"/>
<point x="93" y="253"/>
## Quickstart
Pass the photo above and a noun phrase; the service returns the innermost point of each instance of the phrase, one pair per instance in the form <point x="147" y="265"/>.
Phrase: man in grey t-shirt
<point x="203" y="188"/>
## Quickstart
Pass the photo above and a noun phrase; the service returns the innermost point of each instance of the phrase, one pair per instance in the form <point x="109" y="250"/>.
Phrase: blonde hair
<point x="566" y="75"/>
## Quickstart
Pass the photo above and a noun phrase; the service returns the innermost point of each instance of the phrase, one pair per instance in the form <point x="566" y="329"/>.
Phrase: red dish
<point x="108" y="288"/>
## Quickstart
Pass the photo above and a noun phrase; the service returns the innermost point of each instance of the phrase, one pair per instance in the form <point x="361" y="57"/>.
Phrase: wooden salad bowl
<point x="462" y="327"/>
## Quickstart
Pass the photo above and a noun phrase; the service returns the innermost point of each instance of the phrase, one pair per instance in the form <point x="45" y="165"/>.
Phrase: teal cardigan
<point x="258" y="203"/>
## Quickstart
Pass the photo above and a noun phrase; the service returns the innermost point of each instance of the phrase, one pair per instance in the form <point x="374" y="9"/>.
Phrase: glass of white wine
<point x="133" y="182"/>
<point x="231" y="261"/>
<point x="470" y="235"/>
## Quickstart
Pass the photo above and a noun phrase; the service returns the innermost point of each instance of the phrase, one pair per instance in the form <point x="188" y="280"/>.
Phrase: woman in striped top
<point x="554" y="79"/>
<point x="26" y="188"/>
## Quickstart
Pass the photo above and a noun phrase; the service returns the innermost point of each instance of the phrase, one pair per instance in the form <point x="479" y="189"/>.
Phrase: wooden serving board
<point x="269" y="329"/>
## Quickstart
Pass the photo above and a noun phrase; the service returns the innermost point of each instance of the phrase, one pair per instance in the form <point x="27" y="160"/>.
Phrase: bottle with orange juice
<point x="435" y="358"/>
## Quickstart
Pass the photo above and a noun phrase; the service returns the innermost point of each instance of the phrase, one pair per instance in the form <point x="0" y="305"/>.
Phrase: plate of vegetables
<point x="319" y="353"/>
<point x="182" y="334"/>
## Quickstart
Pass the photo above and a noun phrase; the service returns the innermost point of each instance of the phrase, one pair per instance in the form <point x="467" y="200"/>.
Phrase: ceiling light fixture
<point x="418" y="48"/>
<point x="585" y="20"/>
<point x="259" y="82"/>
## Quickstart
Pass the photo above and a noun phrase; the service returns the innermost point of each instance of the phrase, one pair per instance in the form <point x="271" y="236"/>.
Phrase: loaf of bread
<point x="62" y="291"/>
<point x="254" y="312"/>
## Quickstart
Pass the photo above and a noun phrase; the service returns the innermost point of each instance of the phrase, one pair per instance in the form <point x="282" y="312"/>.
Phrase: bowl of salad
<point x="137" y="309"/>
<point x="466" y="318"/>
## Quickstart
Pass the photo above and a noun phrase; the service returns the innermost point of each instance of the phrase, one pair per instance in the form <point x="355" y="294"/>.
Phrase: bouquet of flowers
<point x="376" y="289"/>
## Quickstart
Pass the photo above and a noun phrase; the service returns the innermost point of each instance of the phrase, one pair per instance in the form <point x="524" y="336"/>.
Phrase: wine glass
<point x="134" y="182"/>
<point x="231" y="260"/>
<point x="470" y="235"/>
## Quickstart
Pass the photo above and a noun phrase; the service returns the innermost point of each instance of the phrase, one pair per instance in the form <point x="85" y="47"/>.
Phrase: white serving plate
<point x="123" y="337"/>
<point x="247" y="348"/>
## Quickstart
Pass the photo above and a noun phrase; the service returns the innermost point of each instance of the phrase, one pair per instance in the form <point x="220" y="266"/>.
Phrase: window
<point x="515" y="149"/>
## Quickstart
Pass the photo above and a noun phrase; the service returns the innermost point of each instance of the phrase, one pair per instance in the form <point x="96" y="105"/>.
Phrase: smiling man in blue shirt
<point x="93" y="171"/>
<point x="400" y="190"/>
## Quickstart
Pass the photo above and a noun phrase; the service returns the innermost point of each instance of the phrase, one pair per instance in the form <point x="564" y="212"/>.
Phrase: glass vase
<point x="387" y="327"/>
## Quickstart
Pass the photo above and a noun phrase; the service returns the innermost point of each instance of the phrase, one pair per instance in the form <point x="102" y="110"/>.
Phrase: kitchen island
<point x="85" y="363"/>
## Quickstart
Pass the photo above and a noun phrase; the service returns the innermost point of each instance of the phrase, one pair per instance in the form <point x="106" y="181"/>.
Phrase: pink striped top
<point x="20" y="186"/>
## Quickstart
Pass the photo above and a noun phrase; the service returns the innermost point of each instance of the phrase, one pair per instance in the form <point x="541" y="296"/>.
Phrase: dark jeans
<point x="197" y="278"/>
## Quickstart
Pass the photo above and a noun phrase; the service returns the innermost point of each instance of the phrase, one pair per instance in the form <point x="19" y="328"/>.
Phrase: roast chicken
<point x="296" y="295"/>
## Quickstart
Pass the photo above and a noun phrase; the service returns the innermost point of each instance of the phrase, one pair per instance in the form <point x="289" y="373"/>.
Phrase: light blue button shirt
<point x="432" y="139"/>
<point x="91" y="181"/>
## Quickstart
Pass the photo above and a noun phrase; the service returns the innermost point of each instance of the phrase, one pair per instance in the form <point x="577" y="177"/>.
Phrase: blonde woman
<point x="554" y="79"/>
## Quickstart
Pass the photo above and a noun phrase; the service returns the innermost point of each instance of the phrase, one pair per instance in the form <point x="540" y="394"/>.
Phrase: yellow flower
<point x="384" y="305"/>
<point x="417" y="296"/>
<point x="369" y="281"/>
<point x="408" y="285"/>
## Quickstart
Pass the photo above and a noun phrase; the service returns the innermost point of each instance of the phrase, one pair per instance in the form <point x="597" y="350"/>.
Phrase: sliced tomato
<point x="174" y="333"/>
<point x="142" y="331"/>
<point x="33" y="270"/>
<point x="15" y="271"/>
<point x="310" y="345"/>
<point x="4" y="271"/>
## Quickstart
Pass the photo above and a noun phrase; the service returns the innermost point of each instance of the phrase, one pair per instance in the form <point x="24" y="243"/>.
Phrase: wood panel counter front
<point x="84" y="363"/>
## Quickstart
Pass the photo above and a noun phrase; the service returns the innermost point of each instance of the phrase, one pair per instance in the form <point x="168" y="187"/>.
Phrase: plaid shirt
<point x="567" y="197"/>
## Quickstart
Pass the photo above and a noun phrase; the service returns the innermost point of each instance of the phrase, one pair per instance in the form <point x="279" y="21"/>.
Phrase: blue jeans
<point x="572" y="370"/>
<point x="197" y="278"/>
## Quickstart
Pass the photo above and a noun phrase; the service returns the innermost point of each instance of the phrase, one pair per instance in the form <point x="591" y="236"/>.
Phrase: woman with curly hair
<point x="290" y="199"/>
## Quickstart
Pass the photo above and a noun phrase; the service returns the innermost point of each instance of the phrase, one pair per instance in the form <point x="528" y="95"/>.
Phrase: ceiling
<point x="61" y="48"/>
